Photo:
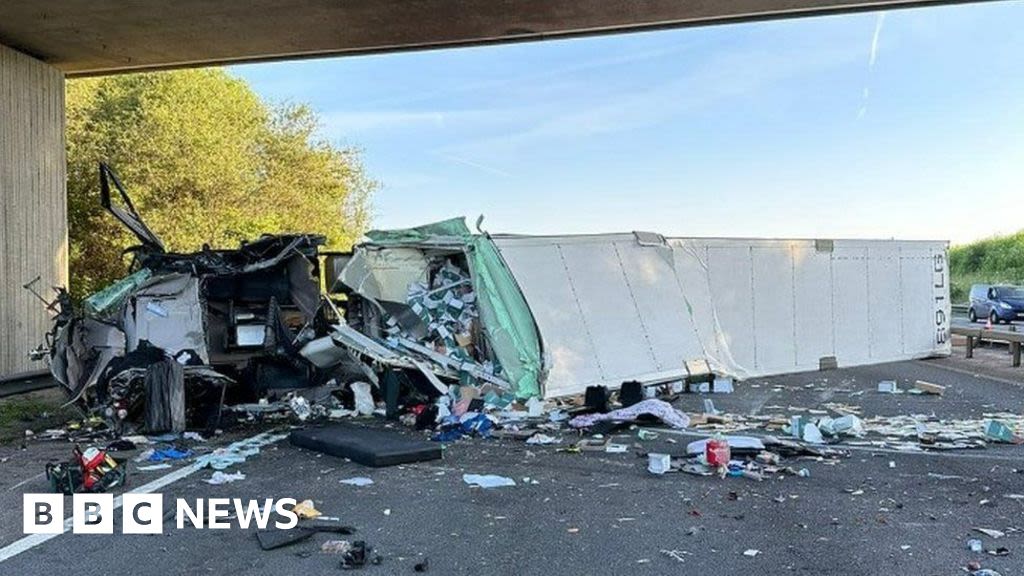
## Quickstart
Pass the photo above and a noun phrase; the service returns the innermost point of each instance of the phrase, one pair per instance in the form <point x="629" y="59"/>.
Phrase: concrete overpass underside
<point x="105" y="36"/>
<point x="44" y="41"/>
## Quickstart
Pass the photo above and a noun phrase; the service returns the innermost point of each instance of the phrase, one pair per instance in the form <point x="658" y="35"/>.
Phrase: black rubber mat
<point x="366" y="446"/>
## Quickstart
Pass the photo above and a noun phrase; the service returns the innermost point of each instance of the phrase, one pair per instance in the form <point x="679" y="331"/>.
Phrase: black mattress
<point x="366" y="446"/>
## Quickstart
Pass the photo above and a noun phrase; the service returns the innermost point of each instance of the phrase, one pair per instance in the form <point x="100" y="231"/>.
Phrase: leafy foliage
<point x="205" y="162"/>
<point x="990" y="261"/>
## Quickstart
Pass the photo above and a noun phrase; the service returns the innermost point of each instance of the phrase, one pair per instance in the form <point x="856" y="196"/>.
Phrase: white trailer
<point x="637" y="306"/>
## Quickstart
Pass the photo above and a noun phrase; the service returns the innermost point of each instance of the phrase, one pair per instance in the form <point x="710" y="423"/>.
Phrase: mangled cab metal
<point x="203" y="321"/>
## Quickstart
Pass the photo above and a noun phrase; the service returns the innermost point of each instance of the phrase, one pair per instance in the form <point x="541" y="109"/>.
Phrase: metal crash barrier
<point x="976" y="335"/>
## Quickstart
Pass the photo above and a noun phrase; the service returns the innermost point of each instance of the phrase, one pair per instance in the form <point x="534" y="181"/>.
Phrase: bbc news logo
<point x="144" y="513"/>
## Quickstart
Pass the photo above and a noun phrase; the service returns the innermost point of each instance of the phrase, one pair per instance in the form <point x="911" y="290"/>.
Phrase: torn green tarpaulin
<point x="110" y="298"/>
<point x="454" y="229"/>
<point x="505" y="316"/>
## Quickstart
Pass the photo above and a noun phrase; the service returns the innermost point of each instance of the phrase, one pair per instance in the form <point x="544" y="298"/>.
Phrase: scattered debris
<point x="540" y="438"/>
<point x="165" y="453"/>
<point x="273" y="538"/>
<point x="89" y="470"/>
<point x="487" y="480"/>
<point x="153" y="467"/>
<point x="929" y="388"/>
<point x="938" y="476"/>
<point x="335" y="546"/>
<point x="677" y="555"/>
<point x="653" y="407"/>
<point x="300" y="406"/>
<point x="722" y="385"/>
<point x="646" y="435"/>
<point x="658" y="463"/>
<point x="222" y="478"/>
<point x="737" y="444"/>
<point x="306" y="509"/>
<point x="812" y="434"/>
<point x="356" y="556"/>
<point x="357" y="481"/>
<point x="991" y="533"/>
<point x="1001" y="432"/>
<point x="717" y="452"/>
<point x="888" y="387"/>
<point x="425" y="339"/>
<point x="363" y="398"/>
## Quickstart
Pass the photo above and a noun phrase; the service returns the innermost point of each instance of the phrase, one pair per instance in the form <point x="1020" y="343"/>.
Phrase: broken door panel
<point x="166" y="312"/>
<point x="126" y="213"/>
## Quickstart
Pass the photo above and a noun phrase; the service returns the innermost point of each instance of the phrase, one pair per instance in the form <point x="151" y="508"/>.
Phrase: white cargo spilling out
<point x="555" y="314"/>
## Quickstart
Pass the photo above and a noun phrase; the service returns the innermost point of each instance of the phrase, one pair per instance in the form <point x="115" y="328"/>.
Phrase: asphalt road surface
<point x="961" y="321"/>
<point x="876" y="512"/>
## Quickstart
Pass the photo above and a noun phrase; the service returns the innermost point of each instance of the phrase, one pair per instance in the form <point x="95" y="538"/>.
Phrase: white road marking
<point x="974" y="374"/>
<point x="25" y="481"/>
<point x="33" y="540"/>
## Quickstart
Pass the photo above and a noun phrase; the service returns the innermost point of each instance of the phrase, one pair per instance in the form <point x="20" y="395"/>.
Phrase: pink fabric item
<point x="659" y="408"/>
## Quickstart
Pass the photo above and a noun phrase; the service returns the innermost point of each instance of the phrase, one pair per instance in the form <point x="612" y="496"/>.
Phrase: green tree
<point x="996" y="260"/>
<point x="205" y="161"/>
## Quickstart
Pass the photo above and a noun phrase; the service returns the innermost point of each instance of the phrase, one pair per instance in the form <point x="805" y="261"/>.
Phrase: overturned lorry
<point x="561" y="313"/>
<point x="493" y="319"/>
<point x="185" y="337"/>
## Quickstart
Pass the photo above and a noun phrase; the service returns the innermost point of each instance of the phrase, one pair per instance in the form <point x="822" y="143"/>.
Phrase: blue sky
<point x="906" y="124"/>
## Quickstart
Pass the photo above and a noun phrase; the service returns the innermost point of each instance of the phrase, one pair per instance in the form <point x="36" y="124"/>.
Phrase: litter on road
<point x="223" y="478"/>
<point x="991" y="533"/>
<point x="487" y="480"/>
<point x="435" y="337"/>
<point x="357" y="481"/>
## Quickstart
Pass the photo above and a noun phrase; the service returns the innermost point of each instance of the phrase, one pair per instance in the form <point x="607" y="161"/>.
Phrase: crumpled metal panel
<point x="166" y="312"/>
